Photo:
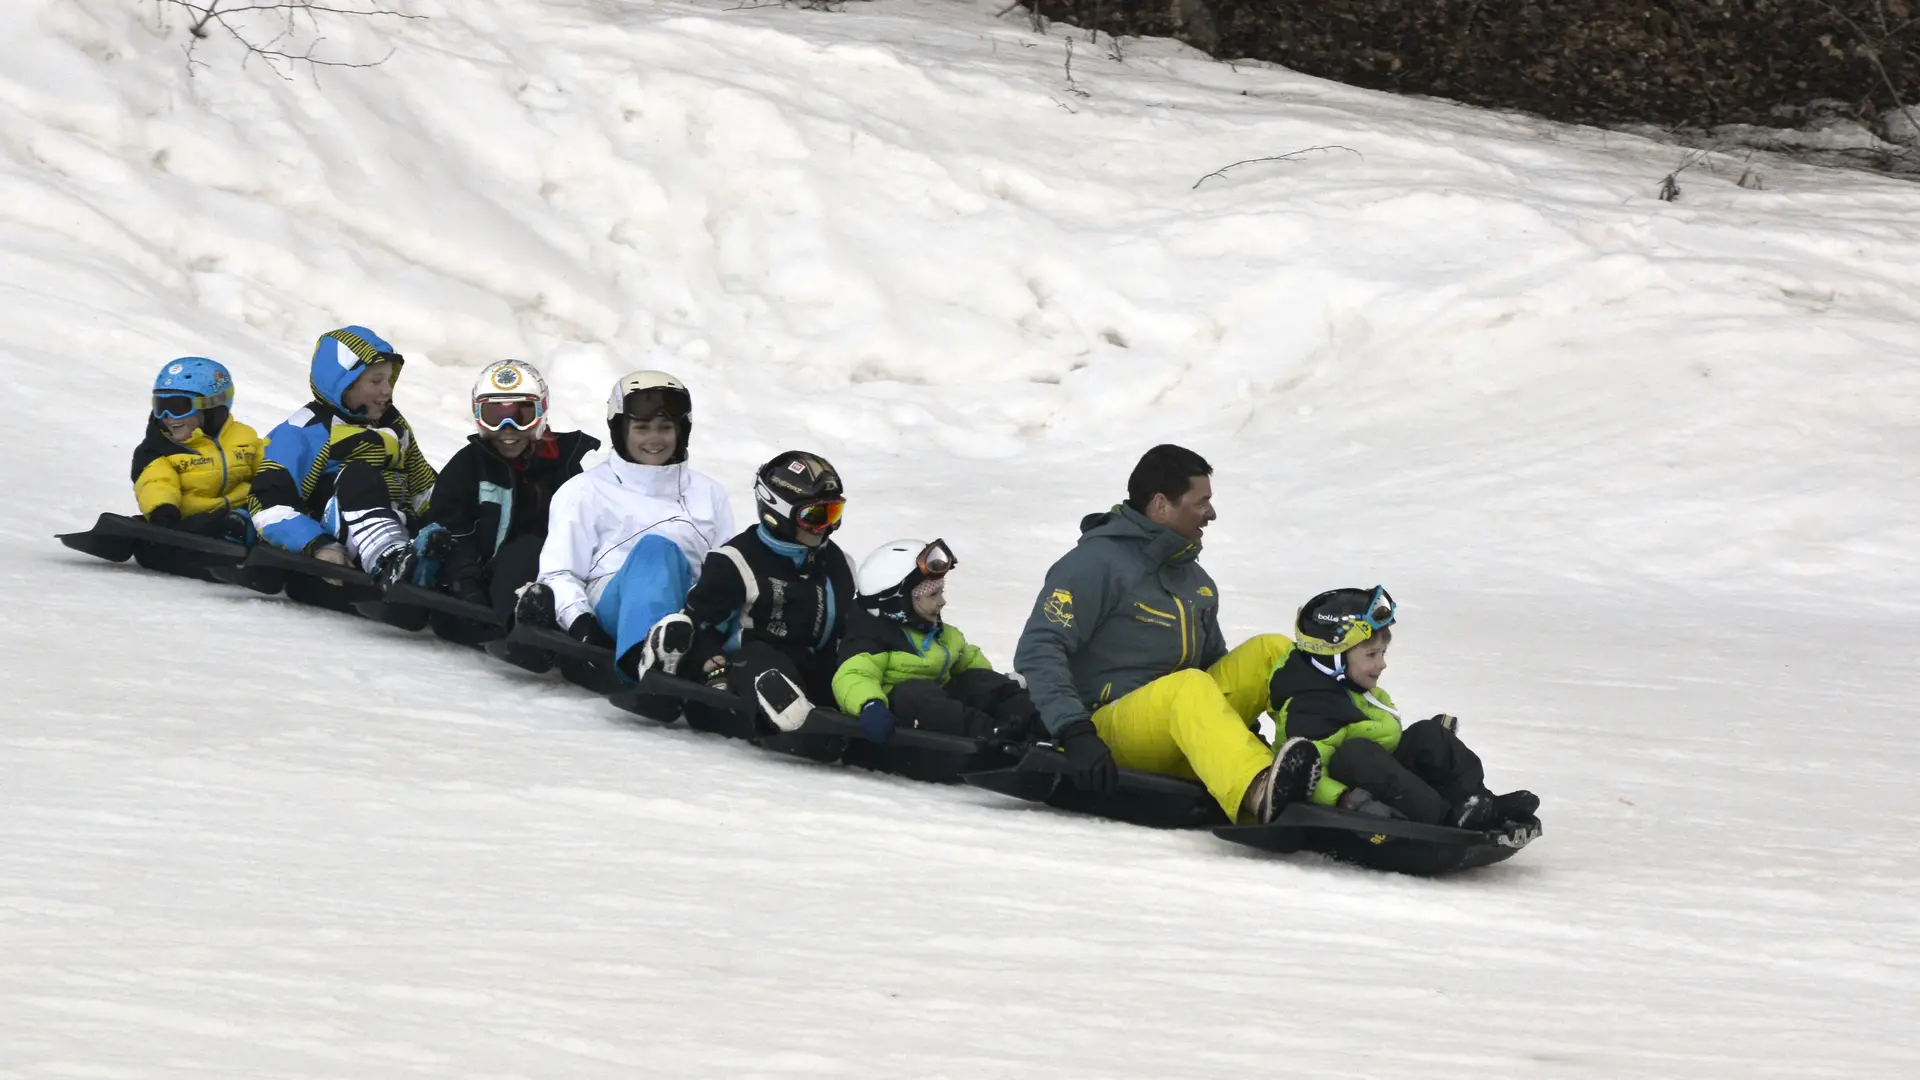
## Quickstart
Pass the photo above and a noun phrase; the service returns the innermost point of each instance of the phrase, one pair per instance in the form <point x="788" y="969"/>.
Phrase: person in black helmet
<point x="1326" y="689"/>
<point x="771" y="605"/>
<point x="626" y="538"/>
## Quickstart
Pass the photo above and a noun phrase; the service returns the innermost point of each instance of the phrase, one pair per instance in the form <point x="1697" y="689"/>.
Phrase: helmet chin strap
<point x="1338" y="669"/>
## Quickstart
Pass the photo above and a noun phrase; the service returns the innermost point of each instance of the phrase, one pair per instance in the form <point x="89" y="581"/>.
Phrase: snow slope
<point x="1641" y="473"/>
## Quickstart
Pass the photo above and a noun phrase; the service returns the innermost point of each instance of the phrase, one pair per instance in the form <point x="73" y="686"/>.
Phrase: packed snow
<point x="1641" y="474"/>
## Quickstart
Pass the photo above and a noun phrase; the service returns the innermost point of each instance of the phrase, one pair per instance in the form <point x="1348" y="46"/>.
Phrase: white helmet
<point x="886" y="579"/>
<point x="677" y="404"/>
<point x="505" y="383"/>
<point x="888" y="566"/>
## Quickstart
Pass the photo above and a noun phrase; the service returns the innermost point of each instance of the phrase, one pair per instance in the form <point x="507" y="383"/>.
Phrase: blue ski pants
<point x="652" y="584"/>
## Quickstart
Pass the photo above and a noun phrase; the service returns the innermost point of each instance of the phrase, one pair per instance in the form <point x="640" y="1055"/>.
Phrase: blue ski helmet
<point x="191" y="384"/>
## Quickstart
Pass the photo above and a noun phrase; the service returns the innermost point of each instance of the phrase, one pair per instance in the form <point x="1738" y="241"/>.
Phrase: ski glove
<point x="587" y="629"/>
<point x="876" y="721"/>
<point x="434" y="542"/>
<point x="1087" y="761"/>
<point x="166" y="515"/>
<point x="1359" y="802"/>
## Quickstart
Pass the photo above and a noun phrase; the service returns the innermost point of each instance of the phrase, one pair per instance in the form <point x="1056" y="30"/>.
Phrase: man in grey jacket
<point x="1125" y="661"/>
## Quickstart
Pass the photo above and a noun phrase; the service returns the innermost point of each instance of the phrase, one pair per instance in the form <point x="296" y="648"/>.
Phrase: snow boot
<point x="1291" y="778"/>
<point x="782" y="701"/>
<point x="667" y="644"/>
<point x="394" y="566"/>
<point x="1476" y="813"/>
<point x="534" y="607"/>
<point x="1515" y="806"/>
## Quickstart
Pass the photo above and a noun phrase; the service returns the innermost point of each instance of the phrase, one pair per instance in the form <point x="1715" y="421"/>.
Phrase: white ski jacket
<point x="598" y="516"/>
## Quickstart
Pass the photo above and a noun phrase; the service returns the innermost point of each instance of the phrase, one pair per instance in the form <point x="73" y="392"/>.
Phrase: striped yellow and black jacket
<point x="308" y="448"/>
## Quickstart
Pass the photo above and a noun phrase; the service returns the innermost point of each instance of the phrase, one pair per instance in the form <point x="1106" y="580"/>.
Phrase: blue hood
<point x="340" y="356"/>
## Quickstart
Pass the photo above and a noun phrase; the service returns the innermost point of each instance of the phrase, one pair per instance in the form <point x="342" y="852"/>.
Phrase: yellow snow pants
<point x="1199" y="725"/>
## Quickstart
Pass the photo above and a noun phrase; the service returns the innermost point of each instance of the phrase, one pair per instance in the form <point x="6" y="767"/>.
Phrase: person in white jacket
<point x="626" y="538"/>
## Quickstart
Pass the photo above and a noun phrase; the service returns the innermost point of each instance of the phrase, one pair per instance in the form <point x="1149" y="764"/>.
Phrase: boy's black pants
<point x="213" y="524"/>
<point x="811" y="672"/>
<point x="977" y="704"/>
<point x="516" y="563"/>
<point x="1430" y="774"/>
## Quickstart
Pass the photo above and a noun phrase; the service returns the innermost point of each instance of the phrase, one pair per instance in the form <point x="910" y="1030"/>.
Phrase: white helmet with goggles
<point x="510" y="393"/>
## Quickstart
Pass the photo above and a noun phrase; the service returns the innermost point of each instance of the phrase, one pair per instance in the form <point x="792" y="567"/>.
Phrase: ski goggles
<point x="181" y="406"/>
<point x="522" y="414"/>
<point x="1380" y="609"/>
<point x="936" y="559"/>
<point x="1349" y="628"/>
<point x="819" y="516"/>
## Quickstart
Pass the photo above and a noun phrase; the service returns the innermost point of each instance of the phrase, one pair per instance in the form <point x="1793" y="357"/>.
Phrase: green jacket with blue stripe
<point x="879" y="654"/>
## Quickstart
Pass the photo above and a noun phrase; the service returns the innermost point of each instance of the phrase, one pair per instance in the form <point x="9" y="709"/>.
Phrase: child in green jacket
<point x="900" y="664"/>
<point x="1327" y="689"/>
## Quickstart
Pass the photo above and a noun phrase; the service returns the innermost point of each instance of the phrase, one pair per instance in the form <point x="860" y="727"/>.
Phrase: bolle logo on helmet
<point x="1332" y="620"/>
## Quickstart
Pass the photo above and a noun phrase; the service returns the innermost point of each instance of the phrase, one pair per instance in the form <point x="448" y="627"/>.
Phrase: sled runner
<point x="1405" y="847"/>
<point x="269" y="569"/>
<point x="411" y="607"/>
<point x="117" y="538"/>
<point x="533" y="649"/>
<point x="1160" y="802"/>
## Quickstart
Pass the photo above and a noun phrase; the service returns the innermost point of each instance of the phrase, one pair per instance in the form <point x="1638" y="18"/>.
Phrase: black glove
<point x="434" y="542"/>
<point x="1088" y="762"/>
<point x="1358" y="801"/>
<point x="586" y="628"/>
<point x="166" y="515"/>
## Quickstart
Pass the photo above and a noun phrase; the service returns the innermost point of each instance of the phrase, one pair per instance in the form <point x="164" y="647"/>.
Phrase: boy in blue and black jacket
<point x="343" y="478"/>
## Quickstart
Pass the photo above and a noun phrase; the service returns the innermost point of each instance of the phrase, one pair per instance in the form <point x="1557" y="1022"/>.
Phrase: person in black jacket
<point x="771" y="606"/>
<point x="489" y="512"/>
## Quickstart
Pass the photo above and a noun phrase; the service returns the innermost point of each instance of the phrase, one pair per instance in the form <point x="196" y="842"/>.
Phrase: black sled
<point x="117" y="538"/>
<point x="1140" y="798"/>
<point x="538" y="650"/>
<point x="411" y="607"/>
<point x="312" y="581"/>
<point x="1404" y="847"/>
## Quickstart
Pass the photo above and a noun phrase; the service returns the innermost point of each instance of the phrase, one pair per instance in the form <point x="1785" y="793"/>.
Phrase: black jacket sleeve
<point x="714" y="606"/>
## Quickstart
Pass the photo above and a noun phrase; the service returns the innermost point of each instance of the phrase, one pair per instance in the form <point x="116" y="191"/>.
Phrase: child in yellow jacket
<point x="194" y="470"/>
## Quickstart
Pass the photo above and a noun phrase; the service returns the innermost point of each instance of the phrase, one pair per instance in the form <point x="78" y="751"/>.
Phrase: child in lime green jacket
<point x="1326" y="689"/>
<point x="900" y="664"/>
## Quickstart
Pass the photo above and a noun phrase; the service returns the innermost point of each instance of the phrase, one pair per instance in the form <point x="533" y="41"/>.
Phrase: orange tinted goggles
<point x="820" y="516"/>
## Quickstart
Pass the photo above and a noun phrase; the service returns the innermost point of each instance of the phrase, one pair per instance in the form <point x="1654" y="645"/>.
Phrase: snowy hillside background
<point x="1642" y="475"/>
